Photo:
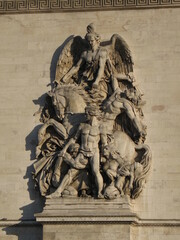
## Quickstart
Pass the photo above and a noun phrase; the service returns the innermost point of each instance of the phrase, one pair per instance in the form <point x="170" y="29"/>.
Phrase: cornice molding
<point x="137" y="223"/>
<point x="38" y="6"/>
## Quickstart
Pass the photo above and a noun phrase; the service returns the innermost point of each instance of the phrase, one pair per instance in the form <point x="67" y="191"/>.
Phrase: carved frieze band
<point x="141" y="223"/>
<point x="29" y="6"/>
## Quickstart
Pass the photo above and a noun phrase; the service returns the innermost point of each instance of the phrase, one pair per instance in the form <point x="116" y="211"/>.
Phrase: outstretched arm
<point x="64" y="150"/>
<point x="73" y="70"/>
<point x="72" y="140"/>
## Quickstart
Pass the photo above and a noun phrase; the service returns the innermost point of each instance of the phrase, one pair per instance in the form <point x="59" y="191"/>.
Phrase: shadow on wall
<point x="24" y="231"/>
<point x="28" y="228"/>
<point x="37" y="205"/>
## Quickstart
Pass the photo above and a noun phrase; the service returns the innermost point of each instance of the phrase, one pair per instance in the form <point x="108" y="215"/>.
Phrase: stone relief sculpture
<point x="91" y="143"/>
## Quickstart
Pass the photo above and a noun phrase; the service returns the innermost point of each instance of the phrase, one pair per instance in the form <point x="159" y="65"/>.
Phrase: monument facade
<point x="92" y="188"/>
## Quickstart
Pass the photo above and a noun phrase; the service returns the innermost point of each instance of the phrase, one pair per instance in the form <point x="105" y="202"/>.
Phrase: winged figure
<point x="101" y="67"/>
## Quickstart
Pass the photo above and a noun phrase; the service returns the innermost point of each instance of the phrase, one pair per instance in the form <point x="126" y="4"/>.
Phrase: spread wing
<point x="70" y="56"/>
<point x="122" y="68"/>
<point x="120" y="54"/>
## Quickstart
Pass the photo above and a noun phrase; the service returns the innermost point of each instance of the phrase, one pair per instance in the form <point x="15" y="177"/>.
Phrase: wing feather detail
<point x="120" y="54"/>
<point x="69" y="56"/>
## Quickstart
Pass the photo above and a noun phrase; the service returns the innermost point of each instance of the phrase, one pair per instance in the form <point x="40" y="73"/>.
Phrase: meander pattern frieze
<point x="29" y="6"/>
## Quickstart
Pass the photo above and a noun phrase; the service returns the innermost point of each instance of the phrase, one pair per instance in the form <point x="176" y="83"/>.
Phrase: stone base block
<point x="96" y="219"/>
<point x="96" y="231"/>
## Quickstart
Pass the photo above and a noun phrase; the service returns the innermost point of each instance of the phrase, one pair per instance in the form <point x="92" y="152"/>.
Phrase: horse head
<point x="69" y="99"/>
<point x="69" y="102"/>
<point x="59" y="102"/>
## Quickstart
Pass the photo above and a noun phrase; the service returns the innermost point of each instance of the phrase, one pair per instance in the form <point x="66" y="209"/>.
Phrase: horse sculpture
<point x="131" y="162"/>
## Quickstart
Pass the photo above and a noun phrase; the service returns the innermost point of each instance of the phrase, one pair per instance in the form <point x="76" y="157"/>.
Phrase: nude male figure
<point x="90" y="136"/>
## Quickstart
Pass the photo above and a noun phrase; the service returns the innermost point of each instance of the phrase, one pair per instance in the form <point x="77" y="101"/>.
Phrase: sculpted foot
<point x="100" y="196"/>
<point x="112" y="183"/>
<point x="54" y="195"/>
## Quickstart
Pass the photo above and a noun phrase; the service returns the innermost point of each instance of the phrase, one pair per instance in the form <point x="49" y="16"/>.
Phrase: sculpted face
<point x="90" y="112"/>
<point x="88" y="116"/>
<point x="106" y="151"/>
<point x="74" y="148"/>
<point x="74" y="153"/>
<point x="92" y="41"/>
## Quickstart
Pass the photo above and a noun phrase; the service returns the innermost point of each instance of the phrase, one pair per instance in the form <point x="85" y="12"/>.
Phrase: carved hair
<point x="74" y="147"/>
<point x="92" y="110"/>
<point x="91" y="32"/>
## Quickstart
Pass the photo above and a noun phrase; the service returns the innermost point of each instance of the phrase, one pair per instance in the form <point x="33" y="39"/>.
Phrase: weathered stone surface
<point x="87" y="210"/>
<point x="86" y="231"/>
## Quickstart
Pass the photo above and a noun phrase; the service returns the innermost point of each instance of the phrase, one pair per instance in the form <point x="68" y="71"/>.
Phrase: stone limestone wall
<point x="29" y="47"/>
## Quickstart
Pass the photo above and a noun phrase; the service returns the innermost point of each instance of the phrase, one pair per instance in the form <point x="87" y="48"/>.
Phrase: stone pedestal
<point x="67" y="219"/>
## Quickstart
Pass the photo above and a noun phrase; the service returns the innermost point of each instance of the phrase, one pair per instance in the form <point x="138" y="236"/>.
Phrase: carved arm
<point x="73" y="70"/>
<point x="102" y="62"/>
<point x="72" y="140"/>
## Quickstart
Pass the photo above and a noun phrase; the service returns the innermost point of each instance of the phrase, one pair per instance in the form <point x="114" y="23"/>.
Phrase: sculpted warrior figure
<point x="76" y="163"/>
<point x="90" y="136"/>
<point x="93" y="126"/>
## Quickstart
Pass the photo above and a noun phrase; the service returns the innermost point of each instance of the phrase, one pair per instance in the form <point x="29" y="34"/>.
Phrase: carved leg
<point x="68" y="178"/>
<point x="94" y="161"/>
<point x="131" y="177"/>
<point x="57" y="172"/>
<point x="120" y="183"/>
<point x="136" y="122"/>
<point x="111" y="174"/>
<point x="115" y="84"/>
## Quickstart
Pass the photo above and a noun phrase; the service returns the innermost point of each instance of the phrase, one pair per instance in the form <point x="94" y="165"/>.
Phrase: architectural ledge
<point x="125" y="219"/>
<point x="38" y="6"/>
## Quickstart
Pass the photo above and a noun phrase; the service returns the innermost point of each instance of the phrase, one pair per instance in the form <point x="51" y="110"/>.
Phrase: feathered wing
<point x="120" y="54"/>
<point x="70" y="55"/>
<point x="121" y="64"/>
